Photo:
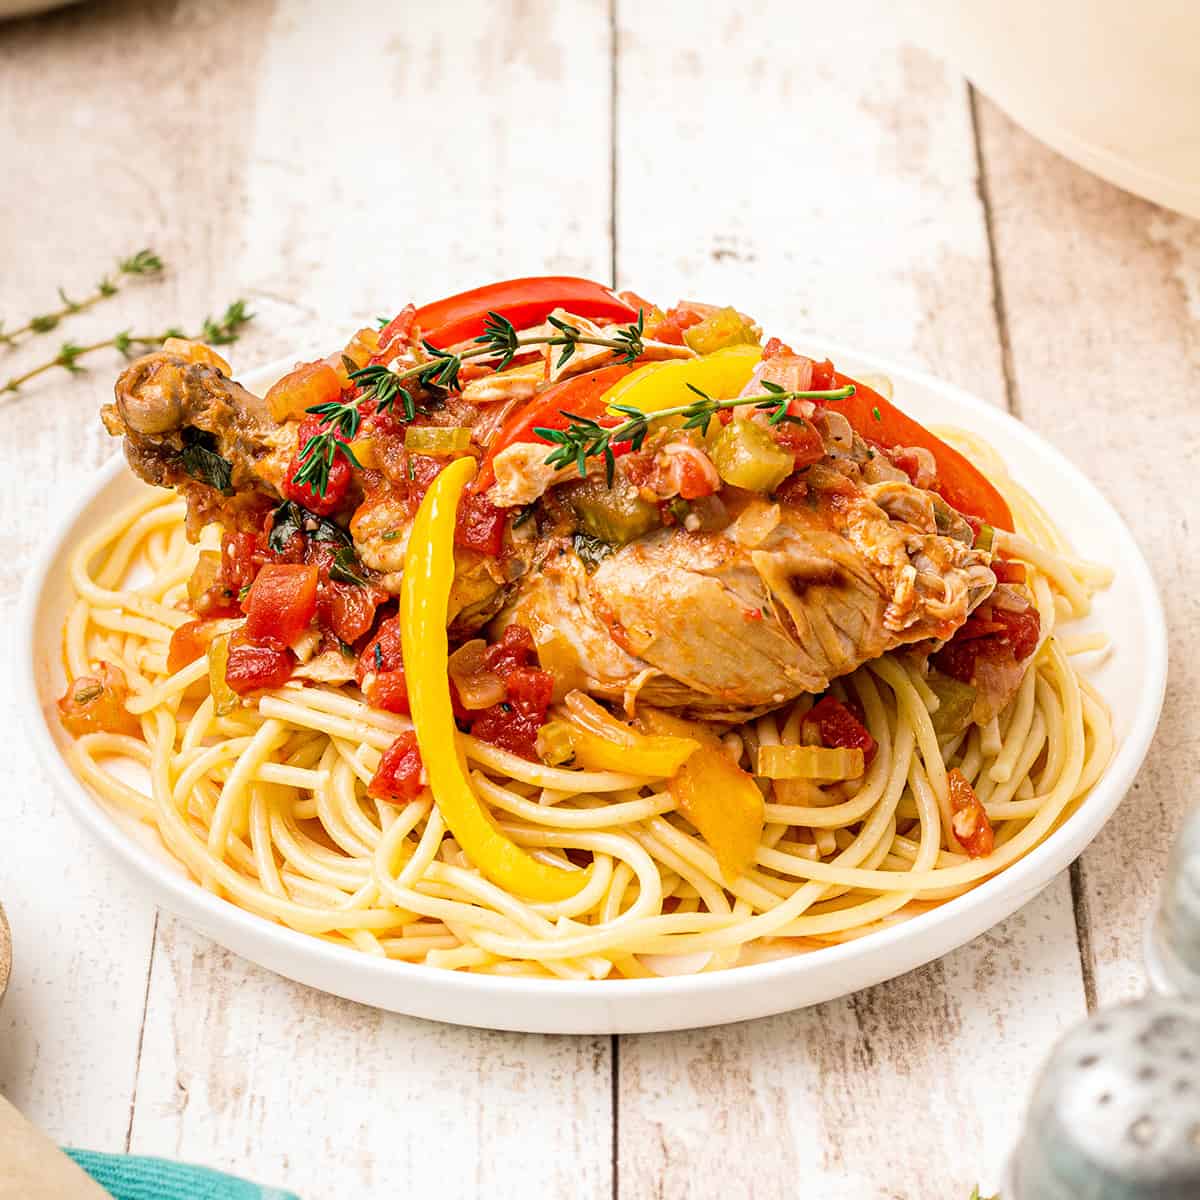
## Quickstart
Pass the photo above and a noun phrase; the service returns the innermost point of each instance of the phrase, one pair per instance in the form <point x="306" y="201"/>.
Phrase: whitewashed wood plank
<point x="791" y="159"/>
<point x="92" y="173"/>
<point x="1102" y="295"/>
<point x="243" y="1070"/>
<point x="788" y="155"/>
<point x="421" y="170"/>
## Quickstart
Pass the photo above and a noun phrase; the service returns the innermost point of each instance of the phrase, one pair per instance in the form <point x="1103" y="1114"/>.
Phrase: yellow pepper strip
<point x="639" y="754"/>
<point x="225" y="699"/>
<point x="715" y="794"/>
<point x="665" y="384"/>
<point x="424" y="599"/>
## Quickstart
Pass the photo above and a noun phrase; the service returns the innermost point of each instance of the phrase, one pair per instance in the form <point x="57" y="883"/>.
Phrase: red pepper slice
<point x="524" y="302"/>
<point x="581" y="395"/>
<point x="959" y="483"/>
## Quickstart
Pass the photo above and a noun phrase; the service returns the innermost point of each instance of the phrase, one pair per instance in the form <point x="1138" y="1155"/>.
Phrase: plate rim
<point x="1010" y="890"/>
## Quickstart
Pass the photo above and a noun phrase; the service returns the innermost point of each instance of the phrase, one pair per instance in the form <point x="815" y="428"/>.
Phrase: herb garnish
<point x="290" y="519"/>
<point x="216" y="333"/>
<point x="144" y="262"/>
<point x="586" y="438"/>
<point x="345" y="567"/>
<point x="383" y="385"/>
<point x="199" y="458"/>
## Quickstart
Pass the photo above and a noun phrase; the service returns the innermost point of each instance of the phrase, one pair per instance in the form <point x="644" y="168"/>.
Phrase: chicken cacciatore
<point x="667" y="509"/>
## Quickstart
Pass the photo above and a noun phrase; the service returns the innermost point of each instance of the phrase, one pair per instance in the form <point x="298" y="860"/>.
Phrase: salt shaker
<point x="1173" y="945"/>
<point x="1115" y="1113"/>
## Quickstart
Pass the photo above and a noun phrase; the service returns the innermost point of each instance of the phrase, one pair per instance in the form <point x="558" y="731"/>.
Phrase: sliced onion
<point x="477" y="687"/>
<point x="755" y="524"/>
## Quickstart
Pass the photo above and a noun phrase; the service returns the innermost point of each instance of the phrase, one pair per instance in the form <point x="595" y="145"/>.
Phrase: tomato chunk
<point x="254" y="665"/>
<point x="380" y="670"/>
<point x="400" y="774"/>
<point x="281" y="602"/>
<point x="96" y="704"/>
<point x="670" y="328"/>
<point x="513" y="724"/>
<point x="970" y="821"/>
<point x="480" y="525"/>
<point x="991" y="634"/>
<point x="838" y="727"/>
<point x="189" y="642"/>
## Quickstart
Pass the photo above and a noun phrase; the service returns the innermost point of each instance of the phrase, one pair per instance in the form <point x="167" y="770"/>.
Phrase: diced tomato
<point x="189" y="642"/>
<point x="480" y="525"/>
<point x="670" y="328"/>
<point x="96" y="704"/>
<point x="513" y="724"/>
<point x="970" y="821"/>
<point x="281" y="602"/>
<point x="513" y="650"/>
<point x="694" y="480"/>
<point x="400" y="772"/>
<point x="774" y="348"/>
<point x="991" y="633"/>
<point x="347" y="610"/>
<point x="340" y="474"/>
<point x="238" y="567"/>
<point x="531" y="686"/>
<point x="839" y="727"/>
<point x="254" y="665"/>
<point x="1008" y="572"/>
<point x="511" y="727"/>
<point x="380" y="670"/>
<point x="801" y="438"/>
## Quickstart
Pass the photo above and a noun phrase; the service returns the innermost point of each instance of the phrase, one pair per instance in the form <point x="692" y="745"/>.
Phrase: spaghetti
<point x="266" y="805"/>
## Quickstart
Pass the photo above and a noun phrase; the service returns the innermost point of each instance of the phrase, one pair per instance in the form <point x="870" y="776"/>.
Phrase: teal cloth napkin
<point x="129" y="1177"/>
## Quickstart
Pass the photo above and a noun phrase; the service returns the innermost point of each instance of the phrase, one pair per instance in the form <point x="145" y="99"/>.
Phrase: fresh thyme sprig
<point x="586" y="438"/>
<point x="380" y="383"/>
<point x="144" y="262"/>
<point x="215" y="332"/>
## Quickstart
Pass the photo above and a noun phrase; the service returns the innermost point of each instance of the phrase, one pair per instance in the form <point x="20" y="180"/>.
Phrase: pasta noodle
<point x="267" y="807"/>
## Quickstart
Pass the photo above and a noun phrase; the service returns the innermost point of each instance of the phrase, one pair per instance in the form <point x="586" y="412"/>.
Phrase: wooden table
<point x="330" y="161"/>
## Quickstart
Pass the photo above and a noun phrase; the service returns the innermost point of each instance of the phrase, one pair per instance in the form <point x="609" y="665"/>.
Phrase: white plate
<point x="1132" y="680"/>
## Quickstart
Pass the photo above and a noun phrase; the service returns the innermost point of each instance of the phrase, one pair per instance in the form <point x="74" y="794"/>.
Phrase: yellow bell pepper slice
<point x="363" y="449"/>
<point x="424" y="600"/>
<point x="720" y="799"/>
<point x="639" y="754"/>
<point x="665" y="384"/>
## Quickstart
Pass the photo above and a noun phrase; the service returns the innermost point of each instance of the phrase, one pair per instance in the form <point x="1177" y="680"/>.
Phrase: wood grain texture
<point x="836" y="193"/>
<point x="244" y="1070"/>
<point x="94" y="172"/>
<point x="1102" y="296"/>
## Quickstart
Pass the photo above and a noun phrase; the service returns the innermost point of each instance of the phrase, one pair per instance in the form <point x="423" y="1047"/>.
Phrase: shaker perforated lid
<point x="1173" y="953"/>
<point x="1116" y="1110"/>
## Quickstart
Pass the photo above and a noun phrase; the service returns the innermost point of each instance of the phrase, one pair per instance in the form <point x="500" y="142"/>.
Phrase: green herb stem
<point x="585" y="438"/>
<point x="380" y="383"/>
<point x="144" y="262"/>
<point x="216" y="333"/>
